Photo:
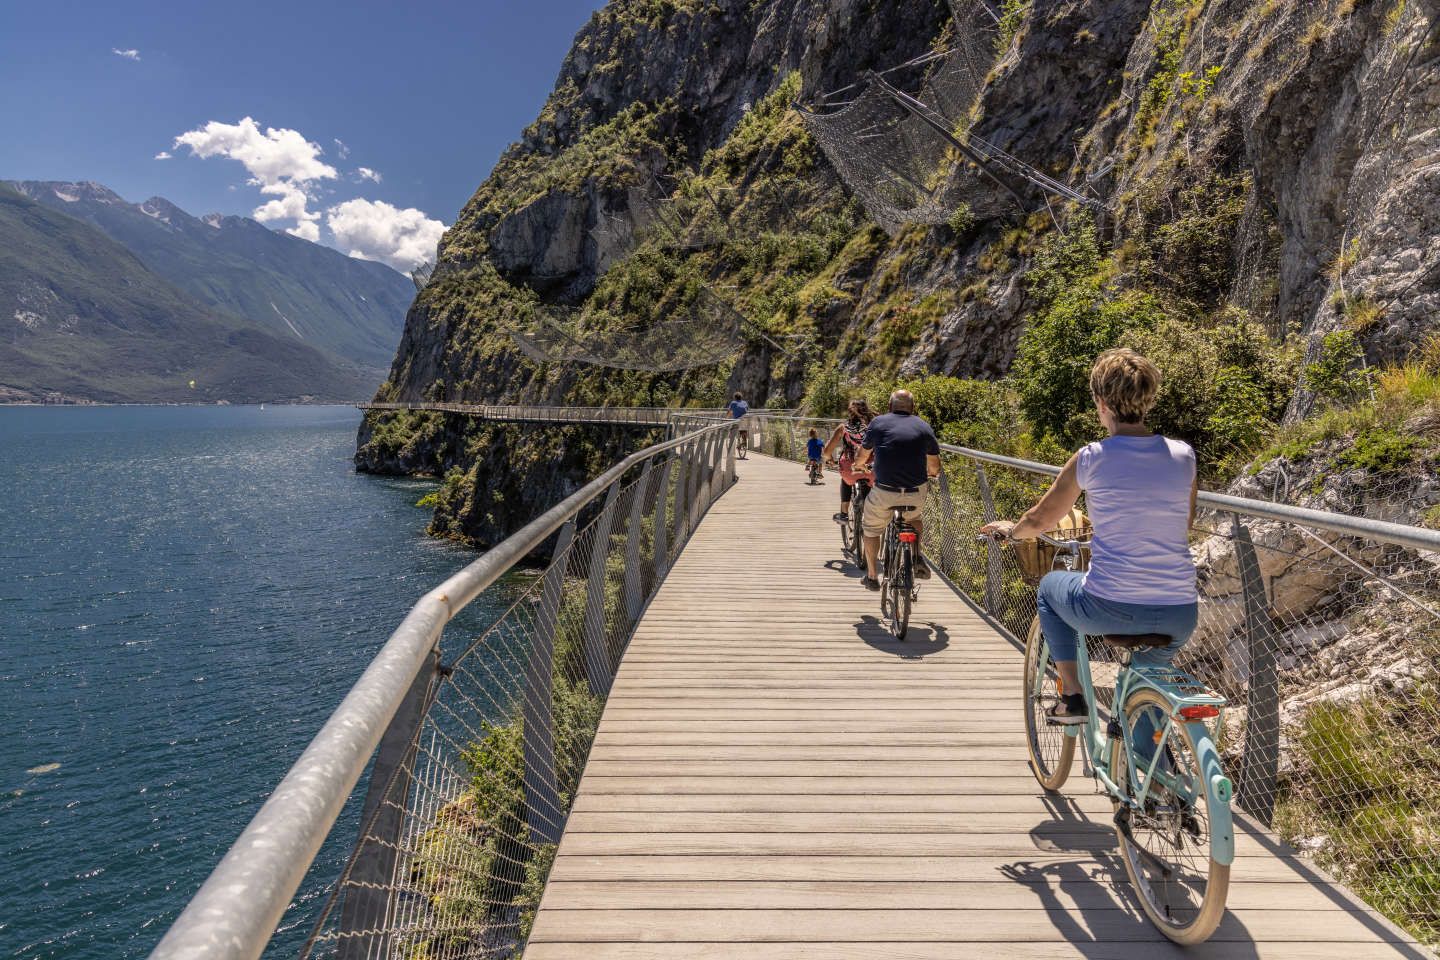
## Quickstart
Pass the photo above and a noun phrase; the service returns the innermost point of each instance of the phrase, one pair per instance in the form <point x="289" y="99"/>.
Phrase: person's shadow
<point x="922" y="639"/>
<point x="845" y="567"/>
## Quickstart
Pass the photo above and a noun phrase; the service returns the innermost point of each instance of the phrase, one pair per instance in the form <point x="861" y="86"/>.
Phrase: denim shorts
<point x="1067" y="611"/>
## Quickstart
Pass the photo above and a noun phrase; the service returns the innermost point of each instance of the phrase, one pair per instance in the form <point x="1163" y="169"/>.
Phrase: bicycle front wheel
<point x="1052" y="750"/>
<point x="844" y="526"/>
<point x="1166" y="845"/>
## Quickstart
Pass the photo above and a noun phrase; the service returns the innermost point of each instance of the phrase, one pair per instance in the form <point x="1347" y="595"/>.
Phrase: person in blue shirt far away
<point x="814" y="450"/>
<point x="739" y="409"/>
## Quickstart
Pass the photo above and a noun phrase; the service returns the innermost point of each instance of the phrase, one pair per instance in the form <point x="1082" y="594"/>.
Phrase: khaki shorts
<point x="880" y="502"/>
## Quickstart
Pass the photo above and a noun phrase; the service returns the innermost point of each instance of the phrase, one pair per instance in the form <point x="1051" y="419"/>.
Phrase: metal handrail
<point x="237" y="909"/>
<point x="1397" y="534"/>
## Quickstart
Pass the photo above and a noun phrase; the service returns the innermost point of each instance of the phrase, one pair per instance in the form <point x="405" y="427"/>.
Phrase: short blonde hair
<point x="1126" y="382"/>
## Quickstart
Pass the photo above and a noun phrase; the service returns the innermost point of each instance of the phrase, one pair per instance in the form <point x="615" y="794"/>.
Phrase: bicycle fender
<point x="1218" y="791"/>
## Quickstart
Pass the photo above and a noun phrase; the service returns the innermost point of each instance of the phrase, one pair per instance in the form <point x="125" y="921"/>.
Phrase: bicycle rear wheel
<point x="1052" y="750"/>
<point x="1166" y="846"/>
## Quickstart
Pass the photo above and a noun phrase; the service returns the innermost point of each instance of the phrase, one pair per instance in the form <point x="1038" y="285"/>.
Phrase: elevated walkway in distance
<point x="775" y="777"/>
<point x="642" y="417"/>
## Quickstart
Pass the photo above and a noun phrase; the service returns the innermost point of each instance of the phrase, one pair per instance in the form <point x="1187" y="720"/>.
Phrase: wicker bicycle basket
<point x="1037" y="559"/>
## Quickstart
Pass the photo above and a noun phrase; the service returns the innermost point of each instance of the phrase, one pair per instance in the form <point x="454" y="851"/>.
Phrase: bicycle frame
<point x="1182" y="692"/>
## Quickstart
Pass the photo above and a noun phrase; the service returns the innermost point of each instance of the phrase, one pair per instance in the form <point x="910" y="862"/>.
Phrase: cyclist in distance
<point x="848" y="439"/>
<point x="739" y="409"/>
<point x="906" y="455"/>
<point x="1140" y="489"/>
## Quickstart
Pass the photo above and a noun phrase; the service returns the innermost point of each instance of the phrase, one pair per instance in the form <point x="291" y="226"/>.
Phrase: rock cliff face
<point x="1271" y="158"/>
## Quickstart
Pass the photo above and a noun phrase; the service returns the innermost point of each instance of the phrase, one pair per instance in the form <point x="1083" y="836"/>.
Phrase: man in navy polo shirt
<point x="906" y="456"/>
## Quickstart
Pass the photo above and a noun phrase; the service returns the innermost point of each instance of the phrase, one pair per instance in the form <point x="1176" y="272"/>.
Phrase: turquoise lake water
<point x="185" y="595"/>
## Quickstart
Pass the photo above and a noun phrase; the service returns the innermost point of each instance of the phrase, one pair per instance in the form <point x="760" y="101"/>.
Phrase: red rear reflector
<point x="1200" y="712"/>
<point x="908" y="538"/>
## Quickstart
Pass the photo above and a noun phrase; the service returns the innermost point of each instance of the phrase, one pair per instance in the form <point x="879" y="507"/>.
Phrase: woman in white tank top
<point x="1140" y="492"/>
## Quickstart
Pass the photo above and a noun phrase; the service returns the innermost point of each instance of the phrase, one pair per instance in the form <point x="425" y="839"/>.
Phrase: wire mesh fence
<point x="474" y="775"/>
<point x="1322" y="629"/>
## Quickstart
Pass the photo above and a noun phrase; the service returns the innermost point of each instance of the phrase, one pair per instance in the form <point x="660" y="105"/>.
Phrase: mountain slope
<point x="352" y="309"/>
<point x="82" y="318"/>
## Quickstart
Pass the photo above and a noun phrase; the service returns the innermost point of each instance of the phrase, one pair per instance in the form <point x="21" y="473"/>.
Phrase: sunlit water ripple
<point x="185" y="594"/>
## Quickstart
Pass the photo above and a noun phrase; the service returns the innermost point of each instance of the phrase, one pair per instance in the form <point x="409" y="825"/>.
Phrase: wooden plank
<point x="1065" y="887"/>
<point x="914" y="870"/>
<point x="1082" y="838"/>
<point x="1081" y="949"/>
<point x="1014" y="751"/>
<point x="979" y="925"/>
<point x="587" y="801"/>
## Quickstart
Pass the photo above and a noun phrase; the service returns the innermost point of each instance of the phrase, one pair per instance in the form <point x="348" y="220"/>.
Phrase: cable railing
<point x="1323" y="630"/>
<point x="477" y="743"/>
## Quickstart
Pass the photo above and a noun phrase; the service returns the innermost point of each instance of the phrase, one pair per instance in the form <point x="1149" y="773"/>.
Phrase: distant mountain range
<point x="286" y="306"/>
<point x="81" y="318"/>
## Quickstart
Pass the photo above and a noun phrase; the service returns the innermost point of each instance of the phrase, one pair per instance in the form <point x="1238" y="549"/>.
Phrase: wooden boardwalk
<point x="776" y="778"/>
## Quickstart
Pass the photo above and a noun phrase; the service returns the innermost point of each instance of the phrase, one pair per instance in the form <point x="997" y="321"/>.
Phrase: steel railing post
<point x="993" y="570"/>
<point x="660" y="553"/>
<point x="682" y="483"/>
<point x="947" y="509"/>
<point x="732" y="438"/>
<point x="542" y="791"/>
<point x="599" y="670"/>
<point x="1260" y="763"/>
<point x="634" y="600"/>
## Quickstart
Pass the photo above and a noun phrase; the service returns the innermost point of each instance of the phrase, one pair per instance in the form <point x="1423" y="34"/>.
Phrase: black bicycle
<point x="897" y="571"/>
<point x="816" y="472"/>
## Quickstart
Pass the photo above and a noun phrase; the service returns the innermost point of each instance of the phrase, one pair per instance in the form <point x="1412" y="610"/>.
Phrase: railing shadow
<point x="922" y="640"/>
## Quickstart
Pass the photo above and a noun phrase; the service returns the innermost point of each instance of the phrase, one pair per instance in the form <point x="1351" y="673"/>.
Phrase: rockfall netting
<point x="1325" y="640"/>
<point x="703" y="331"/>
<point x="914" y="158"/>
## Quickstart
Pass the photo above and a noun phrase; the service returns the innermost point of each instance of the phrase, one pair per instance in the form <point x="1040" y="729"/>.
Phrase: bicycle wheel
<point x="900" y="586"/>
<point x="1052" y="751"/>
<point x="1166" y="846"/>
<point x="844" y="526"/>
<point x="857" y="532"/>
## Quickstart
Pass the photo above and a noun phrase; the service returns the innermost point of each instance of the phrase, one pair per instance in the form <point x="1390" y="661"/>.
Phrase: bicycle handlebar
<point x="1066" y="546"/>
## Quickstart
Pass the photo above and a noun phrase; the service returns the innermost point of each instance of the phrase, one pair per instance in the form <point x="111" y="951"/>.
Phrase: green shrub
<point x="1337" y="374"/>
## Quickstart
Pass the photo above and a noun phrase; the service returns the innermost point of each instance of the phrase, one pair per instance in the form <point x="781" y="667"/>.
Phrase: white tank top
<point x="1137" y="491"/>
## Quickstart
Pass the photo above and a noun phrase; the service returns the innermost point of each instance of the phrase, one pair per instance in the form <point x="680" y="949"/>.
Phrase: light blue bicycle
<point x="1156" y="758"/>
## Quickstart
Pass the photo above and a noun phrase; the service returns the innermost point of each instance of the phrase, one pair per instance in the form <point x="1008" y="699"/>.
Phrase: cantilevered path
<point x="775" y="778"/>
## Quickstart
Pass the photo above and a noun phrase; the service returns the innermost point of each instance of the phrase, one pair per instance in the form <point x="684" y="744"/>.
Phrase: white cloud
<point x="281" y="162"/>
<point x="127" y="54"/>
<point x="375" y="230"/>
<point x="341" y="149"/>
<point x="163" y="155"/>
<point x="365" y="173"/>
<point x="306" y="230"/>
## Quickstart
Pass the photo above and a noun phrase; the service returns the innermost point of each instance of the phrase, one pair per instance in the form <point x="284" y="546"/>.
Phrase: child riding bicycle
<point x="814" y="450"/>
<point x="1140" y="491"/>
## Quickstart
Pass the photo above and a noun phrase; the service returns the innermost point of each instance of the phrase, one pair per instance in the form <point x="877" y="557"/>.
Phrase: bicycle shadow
<point x="845" y="567"/>
<point x="1089" y="899"/>
<point x="922" y="640"/>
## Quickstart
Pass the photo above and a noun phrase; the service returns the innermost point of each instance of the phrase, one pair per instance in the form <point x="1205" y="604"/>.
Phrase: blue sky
<point x="425" y="95"/>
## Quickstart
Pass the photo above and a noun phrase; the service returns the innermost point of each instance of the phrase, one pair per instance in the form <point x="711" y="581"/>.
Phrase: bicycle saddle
<point x="1139" y="641"/>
